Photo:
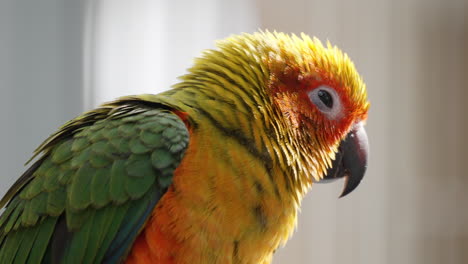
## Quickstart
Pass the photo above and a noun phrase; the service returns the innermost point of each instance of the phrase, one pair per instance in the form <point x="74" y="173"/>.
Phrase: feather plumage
<point x="124" y="182"/>
<point x="92" y="186"/>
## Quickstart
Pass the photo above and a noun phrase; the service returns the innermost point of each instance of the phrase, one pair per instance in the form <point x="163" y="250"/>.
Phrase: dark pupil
<point x="326" y="98"/>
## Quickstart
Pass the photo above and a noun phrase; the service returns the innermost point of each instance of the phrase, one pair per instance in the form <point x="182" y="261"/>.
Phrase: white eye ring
<point x="326" y="100"/>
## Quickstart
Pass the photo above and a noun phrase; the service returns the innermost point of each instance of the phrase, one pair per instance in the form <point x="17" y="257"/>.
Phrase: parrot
<point x="211" y="171"/>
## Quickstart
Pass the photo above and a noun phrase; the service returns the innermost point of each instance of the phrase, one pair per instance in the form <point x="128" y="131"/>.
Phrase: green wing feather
<point x="96" y="183"/>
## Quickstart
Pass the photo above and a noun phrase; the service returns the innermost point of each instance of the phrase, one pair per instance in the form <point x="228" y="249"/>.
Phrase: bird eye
<point x="327" y="100"/>
<point x="325" y="97"/>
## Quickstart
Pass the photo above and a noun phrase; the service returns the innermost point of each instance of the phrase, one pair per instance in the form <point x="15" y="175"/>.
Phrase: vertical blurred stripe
<point x="142" y="46"/>
<point x="40" y="76"/>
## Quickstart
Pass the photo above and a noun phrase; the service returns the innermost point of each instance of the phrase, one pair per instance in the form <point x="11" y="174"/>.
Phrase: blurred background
<point x="61" y="57"/>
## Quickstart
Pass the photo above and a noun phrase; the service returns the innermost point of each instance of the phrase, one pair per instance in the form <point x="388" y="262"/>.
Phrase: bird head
<point x="322" y="102"/>
<point x="322" y="98"/>
<point x="308" y="98"/>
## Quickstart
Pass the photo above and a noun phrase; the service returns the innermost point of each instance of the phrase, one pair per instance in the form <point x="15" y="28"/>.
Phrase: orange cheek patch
<point x="288" y="105"/>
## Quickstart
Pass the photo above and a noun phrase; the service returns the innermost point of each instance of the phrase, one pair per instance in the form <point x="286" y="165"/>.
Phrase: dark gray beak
<point x="351" y="159"/>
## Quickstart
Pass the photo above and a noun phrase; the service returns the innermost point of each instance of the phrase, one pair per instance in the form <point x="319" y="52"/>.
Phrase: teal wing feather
<point x="87" y="198"/>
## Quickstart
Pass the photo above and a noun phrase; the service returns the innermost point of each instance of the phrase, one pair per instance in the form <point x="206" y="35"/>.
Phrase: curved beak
<point x="351" y="159"/>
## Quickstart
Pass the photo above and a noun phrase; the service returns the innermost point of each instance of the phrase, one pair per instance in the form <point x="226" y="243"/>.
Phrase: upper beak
<point x="351" y="159"/>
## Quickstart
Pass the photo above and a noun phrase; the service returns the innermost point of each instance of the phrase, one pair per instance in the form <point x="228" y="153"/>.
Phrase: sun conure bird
<point x="211" y="171"/>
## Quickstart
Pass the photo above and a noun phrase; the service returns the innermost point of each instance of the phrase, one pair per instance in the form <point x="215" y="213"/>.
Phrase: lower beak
<point x="351" y="159"/>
